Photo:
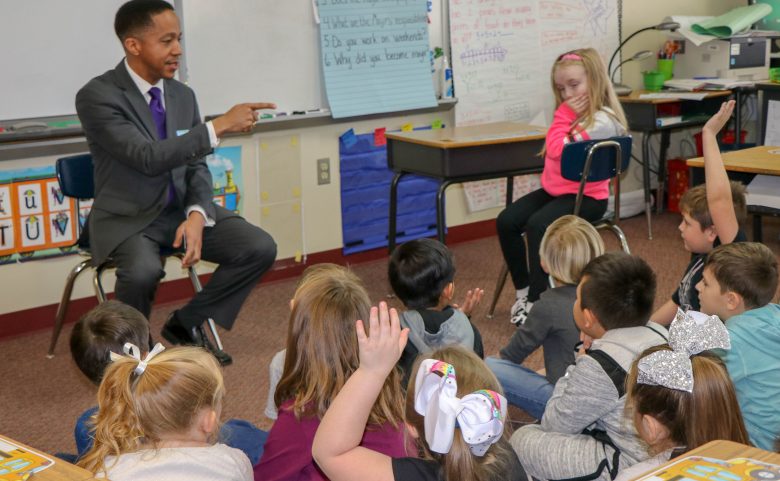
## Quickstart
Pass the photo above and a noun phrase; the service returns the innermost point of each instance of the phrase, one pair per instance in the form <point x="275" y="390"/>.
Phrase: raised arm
<point x="719" y="201"/>
<point x="336" y="447"/>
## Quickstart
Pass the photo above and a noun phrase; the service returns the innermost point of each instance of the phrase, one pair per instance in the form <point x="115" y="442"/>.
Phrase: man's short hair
<point x="419" y="270"/>
<point x="694" y="203"/>
<point x="104" y="329"/>
<point x="747" y="268"/>
<point x="619" y="288"/>
<point x="136" y="15"/>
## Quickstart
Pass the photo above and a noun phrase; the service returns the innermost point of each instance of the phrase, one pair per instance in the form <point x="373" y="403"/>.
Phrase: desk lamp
<point x="622" y="89"/>
<point x="661" y="26"/>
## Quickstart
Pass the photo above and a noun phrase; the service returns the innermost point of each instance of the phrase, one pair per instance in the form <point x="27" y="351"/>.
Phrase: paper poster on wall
<point x="487" y="194"/>
<point x="225" y="167"/>
<point x="375" y="56"/>
<point x="772" y="129"/>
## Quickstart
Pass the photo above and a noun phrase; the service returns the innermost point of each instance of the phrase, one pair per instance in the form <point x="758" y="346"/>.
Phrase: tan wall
<point x="38" y="283"/>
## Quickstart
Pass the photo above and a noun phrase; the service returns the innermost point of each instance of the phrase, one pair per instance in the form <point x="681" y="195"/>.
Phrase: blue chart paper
<point x="375" y="56"/>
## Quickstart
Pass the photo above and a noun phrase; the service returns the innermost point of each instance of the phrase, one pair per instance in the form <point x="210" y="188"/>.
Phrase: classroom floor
<point x="41" y="398"/>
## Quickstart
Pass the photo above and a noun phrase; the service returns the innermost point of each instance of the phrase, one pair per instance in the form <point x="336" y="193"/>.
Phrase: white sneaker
<point x="520" y="310"/>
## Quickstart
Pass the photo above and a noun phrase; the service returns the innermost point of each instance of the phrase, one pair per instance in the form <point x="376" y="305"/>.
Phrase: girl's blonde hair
<point x="695" y="418"/>
<point x="600" y="91"/>
<point x="135" y="410"/>
<point x="322" y="346"/>
<point x="472" y="374"/>
<point x="568" y="245"/>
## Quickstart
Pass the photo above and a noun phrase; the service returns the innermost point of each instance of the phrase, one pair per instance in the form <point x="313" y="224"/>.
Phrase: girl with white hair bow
<point x="454" y="410"/>
<point x="680" y="395"/>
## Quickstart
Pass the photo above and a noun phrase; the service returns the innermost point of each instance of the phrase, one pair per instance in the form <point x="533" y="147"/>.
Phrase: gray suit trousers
<point x="243" y="252"/>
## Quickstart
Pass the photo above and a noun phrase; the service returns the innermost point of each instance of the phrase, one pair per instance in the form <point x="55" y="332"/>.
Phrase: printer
<point x="738" y="58"/>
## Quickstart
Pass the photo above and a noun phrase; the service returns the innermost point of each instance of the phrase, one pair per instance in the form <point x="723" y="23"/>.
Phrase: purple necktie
<point x="158" y="114"/>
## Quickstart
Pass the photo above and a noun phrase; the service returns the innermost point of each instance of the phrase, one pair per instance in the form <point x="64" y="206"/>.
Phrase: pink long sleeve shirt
<point x="559" y="134"/>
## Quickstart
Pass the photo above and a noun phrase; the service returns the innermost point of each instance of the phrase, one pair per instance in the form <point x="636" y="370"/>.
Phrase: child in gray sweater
<point x="422" y="274"/>
<point x="568" y="245"/>
<point x="584" y="432"/>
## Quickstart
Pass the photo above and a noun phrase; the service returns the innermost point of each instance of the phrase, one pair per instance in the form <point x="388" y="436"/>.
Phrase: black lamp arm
<point x="612" y="59"/>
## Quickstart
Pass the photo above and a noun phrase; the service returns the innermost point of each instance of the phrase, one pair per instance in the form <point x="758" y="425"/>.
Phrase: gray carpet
<point x="40" y="398"/>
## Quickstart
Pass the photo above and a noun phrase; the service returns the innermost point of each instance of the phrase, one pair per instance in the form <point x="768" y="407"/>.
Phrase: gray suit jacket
<point x="132" y="166"/>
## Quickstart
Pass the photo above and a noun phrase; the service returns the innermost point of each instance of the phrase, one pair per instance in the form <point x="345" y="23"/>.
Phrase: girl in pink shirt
<point x="587" y="108"/>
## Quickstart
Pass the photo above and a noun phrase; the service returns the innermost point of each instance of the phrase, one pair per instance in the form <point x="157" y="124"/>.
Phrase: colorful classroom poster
<point x="37" y="221"/>
<point x="225" y="167"/>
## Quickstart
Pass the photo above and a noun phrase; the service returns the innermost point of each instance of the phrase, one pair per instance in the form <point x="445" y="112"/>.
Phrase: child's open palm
<point x="381" y="348"/>
<point x="718" y="120"/>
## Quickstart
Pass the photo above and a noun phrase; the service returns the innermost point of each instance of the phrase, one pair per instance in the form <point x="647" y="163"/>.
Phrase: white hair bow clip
<point x="479" y="415"/>
<point x="691" y="332"/>
<point x="133" y="351"/>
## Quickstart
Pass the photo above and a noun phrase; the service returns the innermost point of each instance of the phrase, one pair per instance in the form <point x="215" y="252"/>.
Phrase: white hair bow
<point x="133" y="351"/>
<point x="479" y="415"/>
<point x="691" y="332"/>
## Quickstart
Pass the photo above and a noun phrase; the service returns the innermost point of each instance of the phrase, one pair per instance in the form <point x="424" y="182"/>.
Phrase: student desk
<point x="725" y="450"/>
<point x="462" y="154"/>
<point x="764" y="159"/>
<point x="60" y="471"/>
<point x="642" y="116"/>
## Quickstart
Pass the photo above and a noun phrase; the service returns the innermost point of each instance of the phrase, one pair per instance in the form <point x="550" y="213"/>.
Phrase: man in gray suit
<point x="153" y="189"/>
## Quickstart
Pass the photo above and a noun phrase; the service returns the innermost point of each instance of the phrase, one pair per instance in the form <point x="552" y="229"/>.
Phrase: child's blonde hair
<point x="138" y="409"/>
<point x="459" y="463"/>
<point x="600" y="91"/>
<point x="322" y="346"/>
<point x="568" y="245"/>
<point x="711" y="411"/>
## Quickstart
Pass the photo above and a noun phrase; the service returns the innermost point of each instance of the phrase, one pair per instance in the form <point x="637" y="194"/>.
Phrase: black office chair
<point x="75" y="176"/>
<point x="583" y="162"/>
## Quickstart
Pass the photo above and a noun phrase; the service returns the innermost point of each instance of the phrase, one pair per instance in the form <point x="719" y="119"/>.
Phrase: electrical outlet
<point x="323" y="171"/>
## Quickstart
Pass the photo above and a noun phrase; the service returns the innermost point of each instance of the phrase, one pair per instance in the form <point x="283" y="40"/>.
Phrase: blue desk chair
<point x="583" y="162"/>
<point x="75" y="176"/>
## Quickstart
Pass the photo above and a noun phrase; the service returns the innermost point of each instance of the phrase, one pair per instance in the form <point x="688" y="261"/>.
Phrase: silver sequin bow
<point x="690" y="333"/>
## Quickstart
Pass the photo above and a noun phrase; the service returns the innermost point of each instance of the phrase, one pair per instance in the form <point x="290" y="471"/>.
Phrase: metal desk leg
<point x="393" y="212"/>
<point x="510" y="186"/>
<point x="441" y="225"/>
<point x="659" y="201"/>
<point x="737" y="118"/>
<point x="646" y="180"/>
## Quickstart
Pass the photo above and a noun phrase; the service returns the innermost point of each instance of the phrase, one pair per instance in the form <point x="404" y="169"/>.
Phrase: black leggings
<point x="531" y="214"/>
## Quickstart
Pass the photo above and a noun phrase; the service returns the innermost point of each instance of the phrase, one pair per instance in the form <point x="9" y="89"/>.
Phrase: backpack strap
<point x="615" y="372"/>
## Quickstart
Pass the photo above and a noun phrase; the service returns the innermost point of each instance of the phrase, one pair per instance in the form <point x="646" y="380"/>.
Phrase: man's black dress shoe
<point x="223" y="357"/>
<point x="175" y="333"/>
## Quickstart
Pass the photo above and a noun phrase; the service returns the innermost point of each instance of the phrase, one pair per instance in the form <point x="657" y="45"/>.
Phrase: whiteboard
<point x="51" y="48"/>
<point x="259" y="50"/>
<point x="252" y="50"/>
<point x="503" y="51"/>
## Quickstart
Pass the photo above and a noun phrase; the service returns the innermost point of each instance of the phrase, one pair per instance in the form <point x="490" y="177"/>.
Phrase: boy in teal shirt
<point x="738" y="284"/>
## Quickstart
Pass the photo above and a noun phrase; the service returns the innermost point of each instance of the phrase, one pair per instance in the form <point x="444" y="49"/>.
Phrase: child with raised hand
<point x="322" y="353"/>
<point x="454" y="411"/>
<point x="586" y="108"/>
<point x="567" y="246"/>
<point x="158" y="418"/>
<point x="680" y="396"/>
<point x="710" y="217"/>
